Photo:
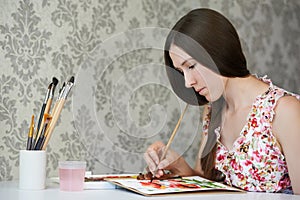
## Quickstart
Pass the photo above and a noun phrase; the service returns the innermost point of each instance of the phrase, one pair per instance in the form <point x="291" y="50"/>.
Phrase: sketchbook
<point x="171" y="186"/>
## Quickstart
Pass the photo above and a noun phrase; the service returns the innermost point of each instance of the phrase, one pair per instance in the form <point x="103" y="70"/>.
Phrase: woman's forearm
<point x="182" y="168"/>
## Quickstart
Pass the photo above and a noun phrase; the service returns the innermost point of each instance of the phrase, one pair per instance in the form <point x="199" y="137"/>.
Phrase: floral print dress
<point x="255" y="163"/>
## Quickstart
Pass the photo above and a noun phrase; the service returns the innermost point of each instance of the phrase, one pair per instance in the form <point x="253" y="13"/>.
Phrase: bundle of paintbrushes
<point x="38" y="138"/>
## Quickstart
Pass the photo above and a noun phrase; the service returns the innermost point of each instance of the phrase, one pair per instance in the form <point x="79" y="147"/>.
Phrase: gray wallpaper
<point x="121" y="101"/>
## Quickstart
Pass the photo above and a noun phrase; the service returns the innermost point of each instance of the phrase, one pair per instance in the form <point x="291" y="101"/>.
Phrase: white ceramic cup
<point x="32" y="170"/>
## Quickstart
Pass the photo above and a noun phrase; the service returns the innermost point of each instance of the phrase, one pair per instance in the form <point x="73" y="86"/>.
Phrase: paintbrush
<point x="170" y="140"/>
<point x="51" y="95"/>
<point x="57" y="109"/>
<point x="30" y="134"/>
<point x="37" y="133"/>
<point x="59" y="96"/>
<point x="39" y="143"/>
<point x="110" y="176"/>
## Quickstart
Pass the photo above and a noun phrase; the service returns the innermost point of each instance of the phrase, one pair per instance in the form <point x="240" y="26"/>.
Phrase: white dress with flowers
<point x="256" y="163"/>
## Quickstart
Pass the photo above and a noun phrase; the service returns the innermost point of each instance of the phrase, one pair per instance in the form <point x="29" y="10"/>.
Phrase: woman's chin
<point x="210" y="98"/>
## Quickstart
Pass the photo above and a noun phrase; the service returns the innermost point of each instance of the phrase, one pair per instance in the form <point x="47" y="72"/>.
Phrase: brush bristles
<point x="72" y="79"/>
<point x="54" y="81"/>
<point x="50" y="86"/>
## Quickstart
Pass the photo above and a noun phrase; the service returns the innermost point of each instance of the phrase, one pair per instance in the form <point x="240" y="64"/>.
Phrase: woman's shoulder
<point x="278" y="96"/>
<point x="288" y="106"/>
<point x="286" y="123"/>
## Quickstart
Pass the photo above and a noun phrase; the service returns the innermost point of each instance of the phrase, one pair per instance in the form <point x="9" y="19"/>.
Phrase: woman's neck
<point x="240" y="93"/>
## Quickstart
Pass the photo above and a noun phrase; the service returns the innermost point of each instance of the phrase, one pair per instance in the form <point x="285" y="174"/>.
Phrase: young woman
<point x="251" y="128"/>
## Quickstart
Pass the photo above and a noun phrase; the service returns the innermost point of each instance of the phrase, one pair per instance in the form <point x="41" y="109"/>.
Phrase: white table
<point x="10" y="191"/>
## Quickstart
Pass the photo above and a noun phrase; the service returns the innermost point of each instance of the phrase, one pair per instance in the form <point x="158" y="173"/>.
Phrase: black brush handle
<point x="29" y="143"/>
<point x="39" y="125"/>
<point x="39" y="143"/>
<point x="41" y="116"/>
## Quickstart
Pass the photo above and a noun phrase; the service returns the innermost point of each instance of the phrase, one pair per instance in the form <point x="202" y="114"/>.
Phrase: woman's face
<point x="205" y="82"/>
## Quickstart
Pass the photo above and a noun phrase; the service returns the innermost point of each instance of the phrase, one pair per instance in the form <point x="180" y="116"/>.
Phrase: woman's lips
<point x="200" y="91"/>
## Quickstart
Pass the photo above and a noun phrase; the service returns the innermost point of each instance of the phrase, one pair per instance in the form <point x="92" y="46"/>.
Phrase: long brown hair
<point x="212" y="40"/>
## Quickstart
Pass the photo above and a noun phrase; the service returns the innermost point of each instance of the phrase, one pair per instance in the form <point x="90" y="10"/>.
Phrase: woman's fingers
<point x="152" y="159"/>
<point x="155" y="163"/>
<point x="164" y="164"/>
<point x="154" y="156"/>
<point x="151" y="164"/>
<point x="159" y="173"/>
<point x="156" y="146"/>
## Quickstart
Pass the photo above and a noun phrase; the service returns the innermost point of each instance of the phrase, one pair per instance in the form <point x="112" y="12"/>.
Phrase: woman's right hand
<point x="172" y="161"/>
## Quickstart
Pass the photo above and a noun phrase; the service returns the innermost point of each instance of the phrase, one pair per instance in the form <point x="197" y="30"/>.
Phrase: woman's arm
<point x="286" y="127"/>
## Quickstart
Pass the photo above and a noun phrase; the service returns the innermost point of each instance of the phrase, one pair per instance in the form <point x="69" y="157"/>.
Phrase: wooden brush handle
<point x="55" y="116"/>
<point x="173" y="133"/>
<point x="48" y="105"/>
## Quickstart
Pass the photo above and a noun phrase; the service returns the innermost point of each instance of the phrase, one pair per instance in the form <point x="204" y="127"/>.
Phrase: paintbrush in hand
<point x="170" y="140"/>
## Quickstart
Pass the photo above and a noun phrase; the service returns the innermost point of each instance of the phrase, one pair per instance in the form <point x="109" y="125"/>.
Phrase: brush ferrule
<point x="47" y="96"/>
<point x="51" y="93"/>
<point x="60" y="95"/>
<point x="66" y="92"/>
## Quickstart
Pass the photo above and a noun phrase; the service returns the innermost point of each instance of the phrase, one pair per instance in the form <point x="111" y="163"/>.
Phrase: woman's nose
<point x="189" y="80"/>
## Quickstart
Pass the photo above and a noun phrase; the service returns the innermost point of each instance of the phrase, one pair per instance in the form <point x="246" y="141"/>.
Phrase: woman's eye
<point x="192" y="66"/>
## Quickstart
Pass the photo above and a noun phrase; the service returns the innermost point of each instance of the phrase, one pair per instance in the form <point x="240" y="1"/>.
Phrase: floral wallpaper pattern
<point x="121" y="101"/>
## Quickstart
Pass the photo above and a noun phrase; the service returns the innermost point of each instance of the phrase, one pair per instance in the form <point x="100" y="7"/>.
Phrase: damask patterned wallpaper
<point x="121" y="101"/>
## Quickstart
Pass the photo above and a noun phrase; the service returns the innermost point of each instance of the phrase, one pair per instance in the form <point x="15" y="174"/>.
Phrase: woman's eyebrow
<point x="183" y="63"/>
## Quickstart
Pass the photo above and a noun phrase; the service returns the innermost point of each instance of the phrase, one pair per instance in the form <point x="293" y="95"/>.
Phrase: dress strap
<point x="272" y="99"/>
